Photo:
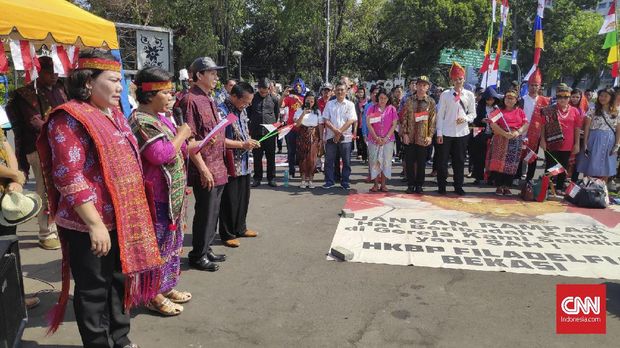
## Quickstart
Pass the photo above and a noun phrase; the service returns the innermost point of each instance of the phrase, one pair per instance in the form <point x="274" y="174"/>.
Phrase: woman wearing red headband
<point x="163" y="151"/>
<point x="96" y="193"/>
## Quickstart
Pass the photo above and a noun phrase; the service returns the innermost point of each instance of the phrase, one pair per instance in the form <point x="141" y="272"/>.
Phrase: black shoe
<point x="410" y="190"/>
<point x="216" y="258"/>
<point x="459" y="191"/>
<point x="256" y="183"/>
<point x="441" y="191"/>
<point x="204" y="264"/>
<point x="272" y="183"/>
<point x="419" y="190"/>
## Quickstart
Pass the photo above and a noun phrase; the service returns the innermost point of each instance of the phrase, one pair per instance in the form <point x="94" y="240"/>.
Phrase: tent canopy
<point x="59" y="21"/>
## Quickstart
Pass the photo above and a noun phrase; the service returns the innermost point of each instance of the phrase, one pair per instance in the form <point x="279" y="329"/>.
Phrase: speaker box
<point x="13" y="316"/>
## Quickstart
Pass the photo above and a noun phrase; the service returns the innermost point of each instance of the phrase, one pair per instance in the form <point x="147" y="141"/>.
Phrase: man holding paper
<point x="236" y="196"/>
<point x="339" y="115"/>
<point x="265" y="109"/>
<point x="457" y="108"/>
<point x="417" y="127"/>
<point x="207" y="172"/>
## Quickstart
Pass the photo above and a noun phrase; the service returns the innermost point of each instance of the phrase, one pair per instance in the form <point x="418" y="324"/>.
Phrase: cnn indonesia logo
<point x="581" y="309"/>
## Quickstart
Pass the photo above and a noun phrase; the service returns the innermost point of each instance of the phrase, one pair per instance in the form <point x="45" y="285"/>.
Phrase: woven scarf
<point x="122" y="175"/>
<point x="553" y="129"/>
<point x="148" y="129"/>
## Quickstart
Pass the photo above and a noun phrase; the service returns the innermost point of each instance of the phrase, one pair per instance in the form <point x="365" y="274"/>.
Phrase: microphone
<point x="177" y="114"/>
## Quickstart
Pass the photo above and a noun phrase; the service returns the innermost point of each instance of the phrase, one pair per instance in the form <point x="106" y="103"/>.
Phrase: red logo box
<point x="581" y="309"/>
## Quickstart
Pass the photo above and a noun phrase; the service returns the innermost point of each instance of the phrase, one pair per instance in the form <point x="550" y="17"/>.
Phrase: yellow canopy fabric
<point x="55" y="21"/>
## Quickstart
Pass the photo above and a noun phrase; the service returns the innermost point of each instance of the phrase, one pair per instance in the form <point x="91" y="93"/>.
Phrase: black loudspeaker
<point x="13" y="315"/>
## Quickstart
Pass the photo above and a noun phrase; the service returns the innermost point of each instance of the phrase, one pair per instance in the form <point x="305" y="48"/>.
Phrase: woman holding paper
<point x="308" y="139"/>
<point x="163" y="152"/>
<point x="508" y="125"/>
<point x="381" y="121"/>
<point x="601" y="138"/>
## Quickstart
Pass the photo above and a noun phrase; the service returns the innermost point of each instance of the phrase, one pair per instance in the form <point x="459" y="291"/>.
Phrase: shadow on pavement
<point x="613" y="299"/>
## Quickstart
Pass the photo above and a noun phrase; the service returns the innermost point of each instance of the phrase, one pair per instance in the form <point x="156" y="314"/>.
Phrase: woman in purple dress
<point x="163" y="151"/>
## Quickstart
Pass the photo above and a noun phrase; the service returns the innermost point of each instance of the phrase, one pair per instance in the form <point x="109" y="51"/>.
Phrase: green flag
<point x="611" y="39"/>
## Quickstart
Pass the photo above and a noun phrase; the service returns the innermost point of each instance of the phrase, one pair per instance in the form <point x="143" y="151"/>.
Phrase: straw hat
<point x="17" y="208"/>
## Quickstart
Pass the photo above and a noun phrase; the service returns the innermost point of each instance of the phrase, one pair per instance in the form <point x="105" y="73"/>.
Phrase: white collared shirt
<point x="338" y="114"/>
<point x="529" y="104"/>
<point x="450" y="110"/>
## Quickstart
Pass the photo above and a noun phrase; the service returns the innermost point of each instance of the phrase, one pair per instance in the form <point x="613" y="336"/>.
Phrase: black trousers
<point x="502" y="179"/>
<point x="234" y="207"/>
<point x="98" y="296"/>
<point x="362" y="148"/>
<point x="455" y="148"/>
<point x="268" y="148"/>
<point x="399" y="145"/>
<point x="477" y="155"/>
<point x="562" y="157"/>
<point x="206" y="213"/>
<point x="415" y="160"/>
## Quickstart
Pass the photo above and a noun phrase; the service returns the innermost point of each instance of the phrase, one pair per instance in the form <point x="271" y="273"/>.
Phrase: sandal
<point x="177" y="296"/>
<point x="374" y="189"/>
<point x="166" y="308"/>
<point x="384" y="189"/>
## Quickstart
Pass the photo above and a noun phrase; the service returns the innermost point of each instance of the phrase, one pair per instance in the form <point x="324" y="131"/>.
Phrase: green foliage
<point x="369" y="39"/>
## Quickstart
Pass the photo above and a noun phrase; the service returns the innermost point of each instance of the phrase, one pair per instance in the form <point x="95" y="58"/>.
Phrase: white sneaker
<point x="303" y="184"/>
<point x="310" y="185"/>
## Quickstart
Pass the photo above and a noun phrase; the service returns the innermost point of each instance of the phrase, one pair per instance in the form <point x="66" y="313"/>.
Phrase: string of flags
<point x="24" y="57"/>
<point x="611" y="39"/>
<point x="490" y="69"/>
<point x="539" y="42"/>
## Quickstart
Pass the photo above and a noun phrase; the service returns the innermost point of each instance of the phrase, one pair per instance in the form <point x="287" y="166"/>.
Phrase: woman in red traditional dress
<point x="90" y="160"/>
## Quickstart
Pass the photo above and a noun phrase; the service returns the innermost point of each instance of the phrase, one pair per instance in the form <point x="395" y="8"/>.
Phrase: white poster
<point x="152" y="49"/>
<point x="481" y="233"/>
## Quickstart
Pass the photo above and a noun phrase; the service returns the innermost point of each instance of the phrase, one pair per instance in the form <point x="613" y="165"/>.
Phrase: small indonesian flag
<point x="457" y="97"/>
<point x="4" y="62"/>
<point x="572" y="190"/>
<point x="25" y="58"/>
<point x="272" y="127"/>
<point x="556" y="169"/>
<point x="477" y="130"/>
<point x="421" y="116"/>
<point x="531" y="156"/>
<point x="495" y="115"/>
<point x="62" y="60"/>
<point x="282" y="132"/>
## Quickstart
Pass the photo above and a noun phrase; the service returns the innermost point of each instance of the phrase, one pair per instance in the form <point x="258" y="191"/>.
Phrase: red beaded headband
<point x="98" y="64"/>
<point x="155" y="86"/>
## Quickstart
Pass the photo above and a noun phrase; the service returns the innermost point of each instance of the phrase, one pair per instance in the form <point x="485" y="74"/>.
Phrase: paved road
<point x="279" y="291"/>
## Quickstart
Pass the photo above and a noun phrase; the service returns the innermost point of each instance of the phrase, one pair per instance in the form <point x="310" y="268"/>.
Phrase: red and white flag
<point x="25" y="58"/>
<point x="495" y="116"/>
<point x="531" y="156"/>
<point x="271" y="127"/>
<point x="572" y="190"/>
<point x="62" y="63"/>
<point x="4" y="62"/>
<point x="477" y="130"/>
<point x="556" y="169"/>
<point x="282" y="132"/>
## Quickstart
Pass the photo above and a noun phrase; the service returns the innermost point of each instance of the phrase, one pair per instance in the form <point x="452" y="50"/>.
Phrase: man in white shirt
<point x="457" y="108"/>
<point x="338" y="117"/>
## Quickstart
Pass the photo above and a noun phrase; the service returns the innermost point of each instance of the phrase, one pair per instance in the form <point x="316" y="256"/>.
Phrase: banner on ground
<point x="481" y="234"/>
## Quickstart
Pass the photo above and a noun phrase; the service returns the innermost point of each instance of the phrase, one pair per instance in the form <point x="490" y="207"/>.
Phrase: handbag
<point x="540" y="188"/>
<point x="589" y="193"/>
<point x="527" y="191"/>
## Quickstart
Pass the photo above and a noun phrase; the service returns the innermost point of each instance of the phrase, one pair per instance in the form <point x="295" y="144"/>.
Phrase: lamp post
<point x="400" y="70"/>
<point x="327" y="45"/>
<point x="238" y="54"/>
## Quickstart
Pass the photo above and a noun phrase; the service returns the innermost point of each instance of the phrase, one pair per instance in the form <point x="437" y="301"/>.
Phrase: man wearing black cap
<point x="33" y="104"/>
<point x="207" y="172"/>
<point x="265" y="109"/>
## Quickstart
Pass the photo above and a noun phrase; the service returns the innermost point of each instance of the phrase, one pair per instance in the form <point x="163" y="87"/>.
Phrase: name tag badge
<point x="374" y="120"/>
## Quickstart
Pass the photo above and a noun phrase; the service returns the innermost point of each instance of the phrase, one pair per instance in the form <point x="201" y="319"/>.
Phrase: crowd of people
<point x="99" y="172"/>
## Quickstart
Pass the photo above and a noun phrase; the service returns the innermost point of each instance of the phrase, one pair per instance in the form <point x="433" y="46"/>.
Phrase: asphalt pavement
<point x="278" y="290"/>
